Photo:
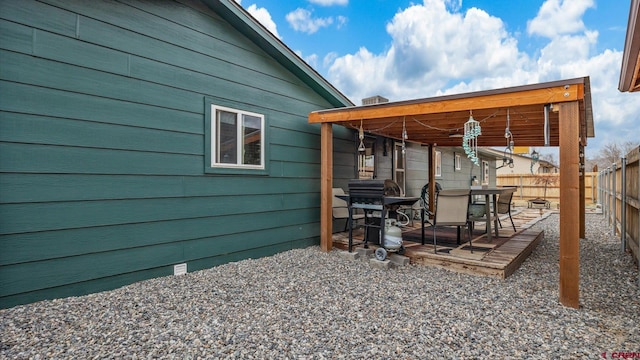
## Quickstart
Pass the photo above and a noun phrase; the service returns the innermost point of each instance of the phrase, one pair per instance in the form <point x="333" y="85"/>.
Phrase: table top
<point x="492" y="190"/>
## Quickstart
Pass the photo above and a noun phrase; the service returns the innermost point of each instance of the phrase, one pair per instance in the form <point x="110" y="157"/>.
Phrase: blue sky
<point x="415" y="49"/>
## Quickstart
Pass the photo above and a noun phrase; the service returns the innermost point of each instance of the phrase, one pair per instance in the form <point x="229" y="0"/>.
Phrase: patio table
<point x="490" y="196"/>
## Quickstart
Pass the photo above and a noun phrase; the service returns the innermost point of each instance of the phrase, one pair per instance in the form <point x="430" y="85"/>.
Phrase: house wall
<point x="417" y="167"/>
<point x="102" y="119"/>
<point x="452" y="178"/>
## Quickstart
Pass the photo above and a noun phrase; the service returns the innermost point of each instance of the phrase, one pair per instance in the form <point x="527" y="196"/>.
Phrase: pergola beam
<point x="555" y="94"/>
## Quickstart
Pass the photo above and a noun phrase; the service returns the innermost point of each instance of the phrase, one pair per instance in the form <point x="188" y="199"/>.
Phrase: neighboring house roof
<point x="630" y="70"/>
<point x="246" y="24"/>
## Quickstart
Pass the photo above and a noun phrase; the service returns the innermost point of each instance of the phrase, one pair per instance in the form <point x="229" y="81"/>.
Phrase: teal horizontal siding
<point x="32" y="129"/>
<point x="102" y="140"/>
<point x="31" y="217"/>
<point x="34" y="100"/>
<point x="37" y="246"/>
<point x="15" y="157"/>
<point x="37" y="187"/>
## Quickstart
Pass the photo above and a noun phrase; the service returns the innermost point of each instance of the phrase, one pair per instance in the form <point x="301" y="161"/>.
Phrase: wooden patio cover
<point x="439" y="121"/>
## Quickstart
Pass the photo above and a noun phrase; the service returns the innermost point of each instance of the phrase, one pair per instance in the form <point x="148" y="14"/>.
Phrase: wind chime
<point x="470" y="139"/>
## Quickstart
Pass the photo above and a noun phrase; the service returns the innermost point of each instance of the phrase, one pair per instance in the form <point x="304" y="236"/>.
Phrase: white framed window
<point x="438" y="163"/>
<point x="485" y="172"/>
<point x="237" y="139"/>
<point x="457" y="162"/>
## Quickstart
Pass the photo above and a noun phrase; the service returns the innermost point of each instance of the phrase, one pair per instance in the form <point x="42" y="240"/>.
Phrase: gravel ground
<point x="306" y="304"/>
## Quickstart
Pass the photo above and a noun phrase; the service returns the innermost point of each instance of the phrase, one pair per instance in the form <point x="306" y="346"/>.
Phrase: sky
<point x="405" y="50"/>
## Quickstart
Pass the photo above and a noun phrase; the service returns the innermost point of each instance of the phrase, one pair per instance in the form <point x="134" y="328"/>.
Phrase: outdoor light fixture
<point x="535" y="157"/>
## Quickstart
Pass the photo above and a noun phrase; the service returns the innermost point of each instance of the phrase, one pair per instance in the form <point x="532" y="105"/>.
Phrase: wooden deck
<point x="499" y="258"/>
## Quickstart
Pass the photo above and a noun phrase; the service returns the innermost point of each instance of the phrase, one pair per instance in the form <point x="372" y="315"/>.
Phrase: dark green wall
<point x="102" y="178"/>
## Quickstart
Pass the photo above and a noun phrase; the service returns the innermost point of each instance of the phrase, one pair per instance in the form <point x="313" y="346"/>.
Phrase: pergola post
<point x="570" y="200"/>
<point x="582" y="193"/>
<point x="326" y="184"/>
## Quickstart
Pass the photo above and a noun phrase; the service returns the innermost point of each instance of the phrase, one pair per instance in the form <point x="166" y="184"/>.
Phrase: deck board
<point x="506" y="257"/>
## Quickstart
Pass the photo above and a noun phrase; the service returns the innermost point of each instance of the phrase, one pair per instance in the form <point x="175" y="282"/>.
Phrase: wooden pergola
<point x="555" y="114"/>
<point x="630" y="70"/>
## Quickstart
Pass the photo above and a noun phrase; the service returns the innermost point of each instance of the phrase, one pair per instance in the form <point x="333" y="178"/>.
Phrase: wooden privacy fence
<point x="620" y="199"/>
<point x="532" y="186"/>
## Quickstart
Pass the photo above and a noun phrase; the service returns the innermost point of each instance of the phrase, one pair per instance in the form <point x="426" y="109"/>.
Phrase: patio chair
<point x="452" y="207"/>
<point x="423" y="204"/>
<point x="504" y="206"/>
<point x="340" y="209"/>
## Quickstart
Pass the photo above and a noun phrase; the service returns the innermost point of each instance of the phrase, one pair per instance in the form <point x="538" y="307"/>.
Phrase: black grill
<point x="366" y="194"/>
<point x="369" y="196"/>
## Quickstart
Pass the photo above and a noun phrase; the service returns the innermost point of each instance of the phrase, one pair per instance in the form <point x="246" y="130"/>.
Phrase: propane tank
<point x="392" y="235"/>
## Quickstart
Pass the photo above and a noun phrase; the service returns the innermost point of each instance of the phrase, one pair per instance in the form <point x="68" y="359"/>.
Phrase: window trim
<point x="210" y="167"/>
<point x="438" y="164"/>
<point x="486" y="175"/>
<point x="457" y="162"/>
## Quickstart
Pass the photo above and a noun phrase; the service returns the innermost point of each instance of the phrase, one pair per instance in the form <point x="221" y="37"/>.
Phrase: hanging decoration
<point x="404" y="135"/>
<point x="535" y="157"/>
<point x="507" y="157"/>
<point x="470" y="139"/>
<point x="361" y="147"/>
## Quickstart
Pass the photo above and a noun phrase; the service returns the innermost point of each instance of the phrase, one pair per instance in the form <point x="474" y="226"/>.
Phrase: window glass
<point x="252" y="140"/>
<point x="226" y="147"/>
<point x="237" y="138"/>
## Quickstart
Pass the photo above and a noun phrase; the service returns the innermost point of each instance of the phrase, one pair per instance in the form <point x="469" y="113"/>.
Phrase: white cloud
<point x="436" y="50"/>
<point x="264" y="17"/>
<point x="329" y="2"/>
<point x="430" y="48"/>
<point x="301" y="20"/>
<point x="557" y="17"/>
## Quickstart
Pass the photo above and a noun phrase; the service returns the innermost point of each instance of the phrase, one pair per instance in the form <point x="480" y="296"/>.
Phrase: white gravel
<point x="306" y="304"/>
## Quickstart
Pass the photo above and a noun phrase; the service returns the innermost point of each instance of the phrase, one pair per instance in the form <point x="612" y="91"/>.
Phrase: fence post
<point x="593" y="189"/>
<point x="521" y="188"/>
<point x="605" y="194"/>
<point x="614" y="177"/>
<point x="600" y="181"/>
<point x="623" y="204"/>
